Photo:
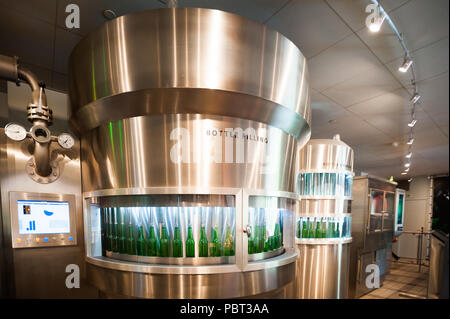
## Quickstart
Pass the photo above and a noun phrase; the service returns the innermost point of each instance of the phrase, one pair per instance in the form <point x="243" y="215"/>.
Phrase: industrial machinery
<point x="189" y="121"/>
<point x="373" y="210"/>
<point x="323" y="224"/>
<point x="41" y="217"/>
<point x="399" y="217"/>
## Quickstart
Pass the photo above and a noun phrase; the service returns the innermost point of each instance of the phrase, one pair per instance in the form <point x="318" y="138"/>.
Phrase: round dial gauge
<point x="66" y="140"/>
<point x="15" y="131"/>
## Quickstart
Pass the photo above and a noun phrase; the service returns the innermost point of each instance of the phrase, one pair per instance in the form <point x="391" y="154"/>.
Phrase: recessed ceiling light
<point x="403" y="173"/>
<point x="109" y="14"/>
<point x="395" y="144"/>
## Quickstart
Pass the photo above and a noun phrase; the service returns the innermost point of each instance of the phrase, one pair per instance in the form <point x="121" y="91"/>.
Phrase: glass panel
<point x="388" y="221"/>
<point x="177" y="226"/>
<point x="324" y="227"/>
<point x="326" y="184"/>
<point x="376" y="201"/>
<point x="266" y="216"/>
<point x="375" y="223"/>
<point x="390" y="202"/>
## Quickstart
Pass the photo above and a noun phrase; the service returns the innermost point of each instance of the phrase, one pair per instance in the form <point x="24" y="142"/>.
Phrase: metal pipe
<point x="10" y="70"/>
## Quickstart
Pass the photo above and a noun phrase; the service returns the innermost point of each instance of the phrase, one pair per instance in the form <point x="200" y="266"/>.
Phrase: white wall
<point x="416" y="216"/>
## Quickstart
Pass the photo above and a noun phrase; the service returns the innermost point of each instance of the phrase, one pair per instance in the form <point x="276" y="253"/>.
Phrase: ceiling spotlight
<point x="109" y="14"/>
<point x="375" y="26"/>
<point x="407" y="169"/>
<point x="412" y="123"/>
<point x="410" y="141"/>
<point x="404" y="173"/>
<point x="407" y="164"/>
<point x="408" y="155"/>
<point x="407" y="62"/>
<point x="415" y="98"/>
<point x="410" y="180"/>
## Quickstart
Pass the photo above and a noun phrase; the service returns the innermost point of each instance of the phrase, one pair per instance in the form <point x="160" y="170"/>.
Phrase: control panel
<point x="42" y="220"/>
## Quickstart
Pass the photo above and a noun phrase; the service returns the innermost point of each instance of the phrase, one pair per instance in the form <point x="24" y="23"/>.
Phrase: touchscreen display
<point x="43" y="217"/>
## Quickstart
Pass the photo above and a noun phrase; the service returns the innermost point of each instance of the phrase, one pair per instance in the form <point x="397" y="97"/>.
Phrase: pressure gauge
<point x="15" y="131"/>
<point x="66" y="140"/>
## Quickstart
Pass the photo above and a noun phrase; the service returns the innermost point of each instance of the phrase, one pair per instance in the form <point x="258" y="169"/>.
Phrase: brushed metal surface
<point x="221" y="285"/>
<point x="189" y="60"/>
<point x="365" y="242"/>
<point x="325" y="155"/>
<point x="40" y="272"/>
<point x="322" y="271"/>
<point x="136" y="153"/>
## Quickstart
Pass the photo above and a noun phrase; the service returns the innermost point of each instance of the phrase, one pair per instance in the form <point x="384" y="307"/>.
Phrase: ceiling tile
<point x="324" y="110"/>
<point x="429" y="61"/>
<point x="395" y="102"/>
<point x="422" y="22"/>
<point x="26" y="37"/>
<point x="65" y="41"/>
<point x="434" y="92"/>
<point x="91" y="11"/>
<point x="384" y="43"/>
<point x="260" y="10"/>
<point x="311" y="24"/>
<point x="364" y="86"/>
<point x="341" y="62"/>
<point x="353" y="12"/>
<point x="44" y="10"/>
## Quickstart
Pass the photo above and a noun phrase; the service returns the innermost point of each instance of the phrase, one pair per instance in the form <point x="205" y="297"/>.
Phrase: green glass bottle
<point x="152" y="243"/>
<point x="257" y="239"/>
<point x="123" y="249"/>
<point x="265" y="242"/>
<point x="140" y="242"/>
<point x="251" y="244"/>
<point x="190" y="243"/>
<point x="115" y="234"/>
<point x="304" y="230"/>
<point x="214" y="245"/>
<point x="277" y="234"/>
<point x="203" y="243"/>
<point x="298" y="232"/>
<point x="318" y="230"/>
<point x="164" y="242"/>
<point x="323" y="229"/>
<point x="177" y="245"/>
<point x="107" y="243"/>
<point x="131" y="242"/>
<point x="228" y="246"/>
<point x="310" y="228"/>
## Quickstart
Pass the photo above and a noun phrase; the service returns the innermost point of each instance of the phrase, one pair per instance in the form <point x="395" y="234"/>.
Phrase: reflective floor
<point x="403" y="282"/>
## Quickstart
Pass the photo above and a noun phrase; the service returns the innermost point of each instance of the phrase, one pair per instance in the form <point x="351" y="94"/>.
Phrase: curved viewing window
<point x="324" y="227"/>
<point x="164" y="229"/>
<point x="325" y="184"/>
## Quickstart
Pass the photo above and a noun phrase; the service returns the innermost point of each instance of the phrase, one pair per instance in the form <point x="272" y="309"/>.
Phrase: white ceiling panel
<point x="341" y="62"/>
<point x="44" y="10"/>
<point x="324" y="110"/>
<point x="310" y="24"/>
<point x="383" y="43"/>
<point x="422" y="22"/>
<point x="30" y="39"/>
<point x="260" y="10"/>
<point x="435" y="97"/>
<point x="429" y="61"/>
<point x="91" y="11"/>
<point x="395" y="102"/>
<point x="364" y="86"/>
<point x="352" y="11"/>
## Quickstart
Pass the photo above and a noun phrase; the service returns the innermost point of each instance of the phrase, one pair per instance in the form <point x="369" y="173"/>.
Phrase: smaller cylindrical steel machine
<point x="323" y="224"/>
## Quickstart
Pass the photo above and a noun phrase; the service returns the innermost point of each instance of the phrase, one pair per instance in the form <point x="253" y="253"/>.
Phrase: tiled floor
<point x="403" y="277"/>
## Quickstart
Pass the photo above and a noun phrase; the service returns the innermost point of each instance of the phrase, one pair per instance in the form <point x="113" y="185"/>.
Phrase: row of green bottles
<point x="258" y="243"/>
<point x="318" y="229"/>
<point x="214" y="247"/>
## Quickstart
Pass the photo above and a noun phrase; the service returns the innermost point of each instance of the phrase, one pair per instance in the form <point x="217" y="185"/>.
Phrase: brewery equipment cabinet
<point x="373" y="211"/>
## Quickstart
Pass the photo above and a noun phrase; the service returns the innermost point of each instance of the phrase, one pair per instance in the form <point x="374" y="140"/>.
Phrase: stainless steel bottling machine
<point x="189" y="121"/>
<point x="323" y="222"/>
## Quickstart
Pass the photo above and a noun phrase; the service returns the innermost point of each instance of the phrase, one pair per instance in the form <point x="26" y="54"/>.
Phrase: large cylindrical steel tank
<point x="189" y="121"/>
<point x="323" y="225"/>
